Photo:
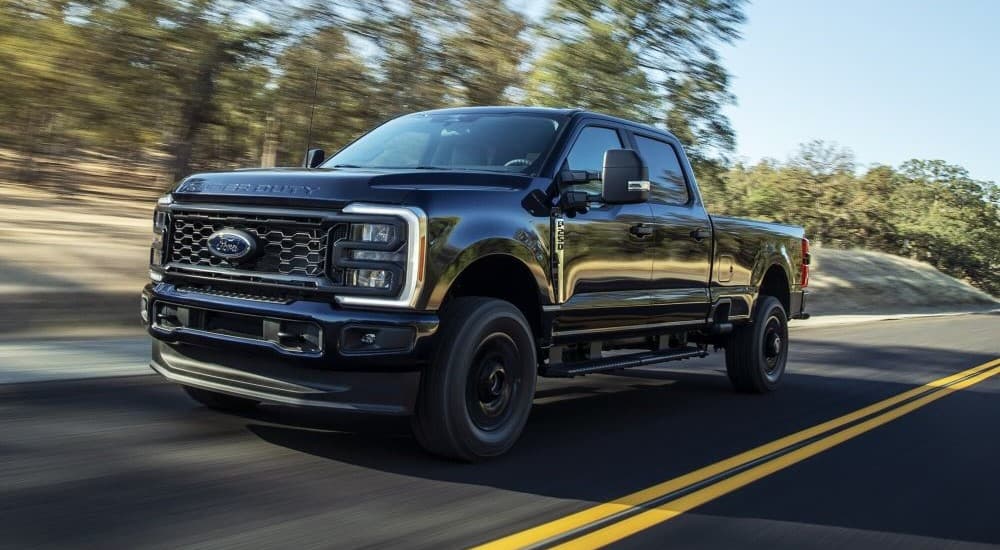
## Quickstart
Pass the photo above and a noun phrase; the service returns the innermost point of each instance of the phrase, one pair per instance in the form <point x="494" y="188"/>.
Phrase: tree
<point x="484" y="57"/>
<point x="664" y="50"/>
<point x="596" y="70"/>
<point x="324" y="81"/>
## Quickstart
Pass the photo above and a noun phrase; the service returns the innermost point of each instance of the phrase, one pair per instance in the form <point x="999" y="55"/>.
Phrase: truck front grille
<point x="286" y="245"/>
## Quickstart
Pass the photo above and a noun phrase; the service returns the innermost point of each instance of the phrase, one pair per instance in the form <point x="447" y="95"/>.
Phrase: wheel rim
<point x="494" y="379"/>
<point x="774" y="346"/>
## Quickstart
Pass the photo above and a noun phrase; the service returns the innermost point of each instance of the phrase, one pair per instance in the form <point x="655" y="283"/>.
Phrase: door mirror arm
<point x="571" y="202"/>
<point x="573" y="177"/>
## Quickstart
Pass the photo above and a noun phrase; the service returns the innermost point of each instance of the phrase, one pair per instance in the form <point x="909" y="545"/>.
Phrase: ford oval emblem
<point x="231" y="244"/>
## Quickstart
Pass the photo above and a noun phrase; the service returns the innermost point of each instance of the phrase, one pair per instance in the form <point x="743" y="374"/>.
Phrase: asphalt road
<point x="130" y="461"/>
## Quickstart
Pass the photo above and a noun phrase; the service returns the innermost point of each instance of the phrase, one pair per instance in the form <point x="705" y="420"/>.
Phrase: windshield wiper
<point x="346" y="166"/>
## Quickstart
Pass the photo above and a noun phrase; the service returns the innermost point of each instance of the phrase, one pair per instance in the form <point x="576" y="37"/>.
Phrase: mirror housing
<point x="626" y="177"/>
<point x="314" y="157"/>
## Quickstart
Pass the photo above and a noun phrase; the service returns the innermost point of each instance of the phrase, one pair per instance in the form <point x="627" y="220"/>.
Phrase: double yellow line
<point x="612" y="521"/>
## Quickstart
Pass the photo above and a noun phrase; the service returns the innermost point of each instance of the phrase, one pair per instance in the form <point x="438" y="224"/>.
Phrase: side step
<point x="564" y="370"/>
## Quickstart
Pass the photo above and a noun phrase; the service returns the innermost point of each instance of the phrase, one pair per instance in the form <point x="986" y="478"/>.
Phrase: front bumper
<point x="219" y="354"/>
<point x="275" y="381"/>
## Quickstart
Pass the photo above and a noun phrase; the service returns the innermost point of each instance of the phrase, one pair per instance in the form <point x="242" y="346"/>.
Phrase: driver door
<point x="605" y="264"/>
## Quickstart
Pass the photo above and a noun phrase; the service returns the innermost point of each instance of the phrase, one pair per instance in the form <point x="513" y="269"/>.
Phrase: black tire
<point x="221" y="401"/>
<point x="475" y="396"/>
<point x="756" y="353"/>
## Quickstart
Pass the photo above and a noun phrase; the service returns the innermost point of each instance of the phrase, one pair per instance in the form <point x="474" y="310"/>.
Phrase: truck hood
<point x="332" y="187"/>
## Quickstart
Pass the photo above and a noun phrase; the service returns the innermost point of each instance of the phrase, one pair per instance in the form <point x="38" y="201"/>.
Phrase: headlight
<point x="373" y="232"/>
<point x="378" y="256"/>
<point x="160" y="222"/>
<point x="379" y="260"/>
<point x="369" y="278"/>
<point x="372" y="256"/>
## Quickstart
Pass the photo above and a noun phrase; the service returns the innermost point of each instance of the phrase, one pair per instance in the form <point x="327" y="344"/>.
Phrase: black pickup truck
<point x="440" y="263"/>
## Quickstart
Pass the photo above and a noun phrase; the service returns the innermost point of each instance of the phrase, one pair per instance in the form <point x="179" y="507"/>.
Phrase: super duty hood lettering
<point x="285" y="187"/>
<point x="201" y="186"/>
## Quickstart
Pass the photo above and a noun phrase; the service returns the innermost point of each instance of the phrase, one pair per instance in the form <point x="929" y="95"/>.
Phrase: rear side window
<point x="588" y="153"/>
<point x="665" y="172"/>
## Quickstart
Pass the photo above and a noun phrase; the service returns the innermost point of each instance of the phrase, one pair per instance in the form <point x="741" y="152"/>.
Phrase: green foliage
<point x="212" y="84"/>
<point x="927" y="210"/>
<point x="649" y="60"/>
<point x="485" y="55"/>
<point x="594" y="70"/>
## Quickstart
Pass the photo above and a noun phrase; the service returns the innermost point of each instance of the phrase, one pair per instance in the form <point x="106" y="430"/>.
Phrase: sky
<point x="890" y="79"/>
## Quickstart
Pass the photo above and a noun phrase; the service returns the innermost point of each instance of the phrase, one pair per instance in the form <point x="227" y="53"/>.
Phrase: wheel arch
<point x="775" y="282"/>
<point x="497" y="274"/>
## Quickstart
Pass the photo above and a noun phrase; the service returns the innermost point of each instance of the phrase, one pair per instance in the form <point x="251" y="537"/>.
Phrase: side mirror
<point x="314" y="157"/>
<point x="626" y="178"/>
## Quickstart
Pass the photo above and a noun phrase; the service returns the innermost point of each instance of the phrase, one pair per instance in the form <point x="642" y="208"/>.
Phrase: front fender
<point x="447" y="260"/>
<point x="468" y="224"/>
<point x="483" y="249"/>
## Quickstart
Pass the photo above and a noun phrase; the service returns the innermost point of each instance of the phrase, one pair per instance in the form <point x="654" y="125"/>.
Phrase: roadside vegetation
<point x="926" y="210"/>
<point x="182" y="85"/>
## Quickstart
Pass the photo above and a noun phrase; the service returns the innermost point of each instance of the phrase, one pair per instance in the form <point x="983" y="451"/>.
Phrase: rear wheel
<point x="756" y="353"/>
<point x="476" y="395"/>
<point x="220" y="401"/>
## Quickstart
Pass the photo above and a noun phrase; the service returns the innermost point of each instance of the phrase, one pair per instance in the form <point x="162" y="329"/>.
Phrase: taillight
<point x="804" y="279"/>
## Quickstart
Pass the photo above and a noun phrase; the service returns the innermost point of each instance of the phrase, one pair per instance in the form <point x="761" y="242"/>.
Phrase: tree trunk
<point x="196" y="109"/>
<point x="269" y="149"/>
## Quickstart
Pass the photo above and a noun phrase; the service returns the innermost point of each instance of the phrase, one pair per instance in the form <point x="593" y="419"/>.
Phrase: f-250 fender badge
<point x="560" y="246"/>
<point x="231" y="244"/>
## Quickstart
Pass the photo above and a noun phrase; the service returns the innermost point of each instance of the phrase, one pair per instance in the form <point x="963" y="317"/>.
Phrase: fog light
<point x="144" y="309"/>
<point x="370" y="339"/>
<point x="369" y="278"/>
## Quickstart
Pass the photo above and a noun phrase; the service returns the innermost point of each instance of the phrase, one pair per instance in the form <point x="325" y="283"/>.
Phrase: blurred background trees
<point x="187" y="85"/>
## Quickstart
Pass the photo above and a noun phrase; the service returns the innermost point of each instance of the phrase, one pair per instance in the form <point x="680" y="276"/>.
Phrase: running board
<point x="564" y="370"/>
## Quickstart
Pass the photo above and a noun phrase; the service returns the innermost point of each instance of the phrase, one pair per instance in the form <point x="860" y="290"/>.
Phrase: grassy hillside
<point x="863" y="282"/>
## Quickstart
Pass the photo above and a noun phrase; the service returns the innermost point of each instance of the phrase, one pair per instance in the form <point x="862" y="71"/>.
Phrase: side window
<point x="664" y="171"/>
<point x="588" y="153"/>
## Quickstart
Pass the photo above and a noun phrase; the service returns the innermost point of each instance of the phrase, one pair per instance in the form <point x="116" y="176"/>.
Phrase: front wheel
<point x="476" y="395"/>
<point x="756" y="353"/>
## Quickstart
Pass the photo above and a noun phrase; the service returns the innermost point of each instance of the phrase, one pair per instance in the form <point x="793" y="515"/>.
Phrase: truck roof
<point x="552" y="111"/>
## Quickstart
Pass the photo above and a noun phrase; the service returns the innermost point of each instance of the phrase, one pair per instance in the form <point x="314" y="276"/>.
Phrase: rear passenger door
<point x="682" y="239"/>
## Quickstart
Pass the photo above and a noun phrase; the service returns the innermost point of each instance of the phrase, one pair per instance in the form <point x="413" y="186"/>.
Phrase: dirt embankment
<point x="864" y="282"/>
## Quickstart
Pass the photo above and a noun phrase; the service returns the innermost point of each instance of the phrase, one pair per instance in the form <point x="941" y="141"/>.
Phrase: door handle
<point x="640" y="230"/>
<point x="700" y="234"/>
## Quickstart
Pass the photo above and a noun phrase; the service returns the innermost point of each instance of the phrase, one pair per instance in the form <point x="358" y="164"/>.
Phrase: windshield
<point x="514" y="143"/>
